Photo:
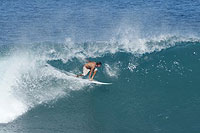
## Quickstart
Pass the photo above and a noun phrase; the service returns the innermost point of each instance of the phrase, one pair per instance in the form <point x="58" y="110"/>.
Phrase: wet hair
<point x="98" y="63"/>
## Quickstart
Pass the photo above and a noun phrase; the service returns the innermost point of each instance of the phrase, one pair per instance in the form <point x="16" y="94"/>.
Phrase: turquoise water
<point x="150" y="52"/>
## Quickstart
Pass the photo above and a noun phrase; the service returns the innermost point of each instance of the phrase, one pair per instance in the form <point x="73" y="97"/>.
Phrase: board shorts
<point x="86" y="71"/>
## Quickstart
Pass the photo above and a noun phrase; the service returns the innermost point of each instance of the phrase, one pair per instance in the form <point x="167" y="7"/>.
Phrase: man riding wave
<point x="90" y="67"/>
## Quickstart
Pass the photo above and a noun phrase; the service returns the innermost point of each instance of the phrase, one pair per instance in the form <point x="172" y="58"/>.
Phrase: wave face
<point x="30" y="74"/>
<point x="150" y="51"/>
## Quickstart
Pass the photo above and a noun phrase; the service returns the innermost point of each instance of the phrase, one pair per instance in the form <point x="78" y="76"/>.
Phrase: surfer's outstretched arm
<point x="93" y="75"/>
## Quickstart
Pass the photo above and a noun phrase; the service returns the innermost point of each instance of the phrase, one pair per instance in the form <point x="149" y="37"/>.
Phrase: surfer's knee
<point x="84" y="74"/>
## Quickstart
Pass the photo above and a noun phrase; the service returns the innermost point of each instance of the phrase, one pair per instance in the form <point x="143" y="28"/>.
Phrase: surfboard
<point x="97" y="82"/>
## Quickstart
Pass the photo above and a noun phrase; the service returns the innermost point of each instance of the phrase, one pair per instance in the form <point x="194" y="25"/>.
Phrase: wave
<point x="27" y="81"/>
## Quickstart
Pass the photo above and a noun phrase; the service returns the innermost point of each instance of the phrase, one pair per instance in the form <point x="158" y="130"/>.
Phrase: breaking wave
<point x="30" y="75"/>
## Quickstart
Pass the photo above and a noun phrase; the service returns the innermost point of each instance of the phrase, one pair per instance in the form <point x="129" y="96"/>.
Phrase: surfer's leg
<point x="85" y="72"/>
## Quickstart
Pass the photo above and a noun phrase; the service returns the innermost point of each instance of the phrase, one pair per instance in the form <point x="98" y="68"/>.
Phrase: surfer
<point x="90" y="67"/>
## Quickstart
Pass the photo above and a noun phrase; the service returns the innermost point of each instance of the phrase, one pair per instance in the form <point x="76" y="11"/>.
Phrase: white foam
<point x="124" y="42"/>
<point x="10" y="105"/>
<point x="25" y="83"/>
<point x="131" y="66"/>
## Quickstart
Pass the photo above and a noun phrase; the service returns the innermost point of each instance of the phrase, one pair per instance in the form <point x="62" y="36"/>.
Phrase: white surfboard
<point x="101" y="83"/>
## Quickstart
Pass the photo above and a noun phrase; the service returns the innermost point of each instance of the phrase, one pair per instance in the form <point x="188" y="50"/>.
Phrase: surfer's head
<point x="98" y="64"/>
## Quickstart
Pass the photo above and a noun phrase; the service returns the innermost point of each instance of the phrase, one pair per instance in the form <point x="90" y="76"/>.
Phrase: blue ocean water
<point x="150" y="52"/>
